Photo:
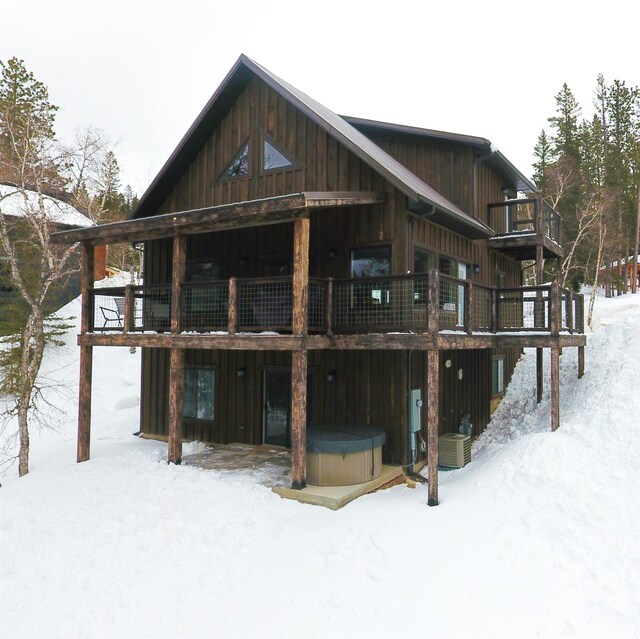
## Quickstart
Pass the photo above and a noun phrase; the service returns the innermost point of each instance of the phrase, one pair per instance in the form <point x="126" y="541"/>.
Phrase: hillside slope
<point x="538" y="537"/>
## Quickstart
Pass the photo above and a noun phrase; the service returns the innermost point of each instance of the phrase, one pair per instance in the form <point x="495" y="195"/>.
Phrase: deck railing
<point x="357" y="305"/>
<point x="526" y="216"/>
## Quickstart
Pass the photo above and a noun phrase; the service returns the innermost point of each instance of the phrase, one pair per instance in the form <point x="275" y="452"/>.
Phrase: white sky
<point x="142" y="71"/>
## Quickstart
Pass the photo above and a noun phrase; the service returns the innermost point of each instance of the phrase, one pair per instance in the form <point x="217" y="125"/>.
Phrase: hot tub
<point x="344" y="455"/>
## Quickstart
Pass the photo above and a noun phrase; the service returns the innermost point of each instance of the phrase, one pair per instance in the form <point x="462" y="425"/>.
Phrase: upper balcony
<point x="418" y="304"/>
<point x="523" y="225"/>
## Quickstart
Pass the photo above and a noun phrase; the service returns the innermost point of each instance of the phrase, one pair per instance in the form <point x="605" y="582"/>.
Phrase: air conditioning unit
<point x="454" y="450"/>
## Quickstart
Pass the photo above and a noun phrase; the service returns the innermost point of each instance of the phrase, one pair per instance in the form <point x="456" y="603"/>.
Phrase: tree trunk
<point x="634" y="272"/>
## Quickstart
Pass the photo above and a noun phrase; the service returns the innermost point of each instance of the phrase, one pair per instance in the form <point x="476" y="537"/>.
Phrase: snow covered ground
<point x="538" y="537"/>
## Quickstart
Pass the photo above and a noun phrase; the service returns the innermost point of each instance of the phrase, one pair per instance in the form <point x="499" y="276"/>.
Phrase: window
<point x="199" y="386"/>
<point x="205" y="270"/>
<point x="370" y="263"/>
<point x="275" y="157"/>
<point x="497" y="375"/>
<point x="239" y="166"/>
<point x="423" y="260"/>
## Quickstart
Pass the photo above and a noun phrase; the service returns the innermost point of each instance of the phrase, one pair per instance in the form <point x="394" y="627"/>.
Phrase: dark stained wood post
<point x="232" y="314"/>
<point x="433" y="384"/>
<point x="86" y="355"/>
<point x="555" y="387"/>
<point x="298" y="419"/>
<point x="177" y="279"/>
<point x="300" y="273"/>
<point x="329" y="316"/>
<point x="176" y="402"/>
<point x="468" y="301"/>
<point x="539" y="307"/>
<point x="493" y="322"/>
<point x="554" y="324"/>
<point x="580" y="361"/>
<point x="128" y="321"/>
<point x="299" y="358"/>
<point x="570" y="315"/>
<point x="176" y="355"/>
<point x="433" y="304"/>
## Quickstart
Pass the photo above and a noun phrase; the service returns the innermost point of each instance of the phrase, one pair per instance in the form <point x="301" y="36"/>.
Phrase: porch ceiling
<point x="260" y="212"/>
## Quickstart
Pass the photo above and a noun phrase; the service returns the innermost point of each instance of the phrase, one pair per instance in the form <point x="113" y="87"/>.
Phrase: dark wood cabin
<point x="304" y="268"/>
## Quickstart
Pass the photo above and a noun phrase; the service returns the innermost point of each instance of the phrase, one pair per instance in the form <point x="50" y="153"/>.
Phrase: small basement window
<point x="199" y="393"/>
<point x="497" y="375"/>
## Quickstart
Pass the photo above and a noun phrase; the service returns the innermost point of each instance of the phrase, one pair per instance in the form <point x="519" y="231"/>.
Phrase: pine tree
<point x="543" y="152"/>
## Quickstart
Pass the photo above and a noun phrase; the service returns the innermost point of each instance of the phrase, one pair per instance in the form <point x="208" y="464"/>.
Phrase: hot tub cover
<point x="344" y="439"/>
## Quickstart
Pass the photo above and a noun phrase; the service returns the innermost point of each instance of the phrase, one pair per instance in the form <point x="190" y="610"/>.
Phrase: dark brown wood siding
<point x="370" y="387"/>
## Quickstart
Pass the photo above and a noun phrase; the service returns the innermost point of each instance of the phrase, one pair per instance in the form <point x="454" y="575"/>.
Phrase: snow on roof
<point x="12" y="204"/>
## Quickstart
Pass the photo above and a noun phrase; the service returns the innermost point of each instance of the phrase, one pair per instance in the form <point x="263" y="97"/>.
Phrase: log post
<point x="539" y="374"/>
<point x="555" y="387"/>
<point x="570" y="315"/>
<point x="232" y="313"/>
<point x="298" y="419"/>
<point x="433" y="385"/>
<point x="128" y="321"/>
<point x="329" y="317"/>
<point x="580" y="361"/>
<point x="433" y="303"/>
<point x="468" y="302"/>
<point x="493" y="322"/>
<point x="176" y="402"/>
<point x="554" y="309"/>
<point x="299" y="358"/>
<point x="300" y="273"/>
<point x="86" y="356"/>
<point x="177" y="278"/>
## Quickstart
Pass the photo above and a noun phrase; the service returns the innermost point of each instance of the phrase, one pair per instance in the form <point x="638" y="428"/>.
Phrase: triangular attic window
<point x="239" y="166"/>
<point x="275" y="157"/>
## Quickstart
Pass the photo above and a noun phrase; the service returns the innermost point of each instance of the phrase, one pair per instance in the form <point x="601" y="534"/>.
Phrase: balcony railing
<point x="416" y="303"/>
<point x="527" y="216"/>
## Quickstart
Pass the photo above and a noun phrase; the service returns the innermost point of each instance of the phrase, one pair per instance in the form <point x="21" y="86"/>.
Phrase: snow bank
<point x="538" y="537"/>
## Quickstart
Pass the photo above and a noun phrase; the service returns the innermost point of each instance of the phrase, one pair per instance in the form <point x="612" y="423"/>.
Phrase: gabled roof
<point x="423" y="199"/>
<point x="488" y="153"/>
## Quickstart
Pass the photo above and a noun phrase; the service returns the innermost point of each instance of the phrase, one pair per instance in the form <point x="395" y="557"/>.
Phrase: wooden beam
<point x="232" y="314"/>
<point x="129" y="309"/>
<point x="539" y="374"/>
<point x="298" y="419"/>
<point x="86" y="356"/>
<point x="86" y="284"/>
<point x="216" y="218"/>
<point x="580" y="361"/>
<point x="176" y="402"/>
<point x="177" y="278"/>
<point x="84" y="404"/>
<point x="300" y="274"/>
<point x="433" y="387"/>
<point x="555" y="388"/>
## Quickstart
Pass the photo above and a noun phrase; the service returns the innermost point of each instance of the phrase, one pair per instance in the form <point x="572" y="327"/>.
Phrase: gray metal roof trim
<point x="502" y="163"/>
<point x="471" y="140"/>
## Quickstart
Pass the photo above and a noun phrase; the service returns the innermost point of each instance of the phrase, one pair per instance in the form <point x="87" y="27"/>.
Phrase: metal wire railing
<point x="265" y="304"/>
<point x="378" y="304"/>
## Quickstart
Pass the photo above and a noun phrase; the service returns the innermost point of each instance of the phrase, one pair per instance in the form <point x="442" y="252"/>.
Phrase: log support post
<point x="176" y="356"/>
<point x="232" y="316"/>
<point x="580" y="361"/>
<point x="129" y="304"/>
<point x="177" y="278"/>
<point x="555" y="387"/>
<point x="539" y="373"/>
<point x="468" y="304"/>
<point x="176" y="402"/>
<point x="298" y="420"/>
<point x="299" y="358"/>
<point x="433" y="384"/>
<point x="86" y="355"/>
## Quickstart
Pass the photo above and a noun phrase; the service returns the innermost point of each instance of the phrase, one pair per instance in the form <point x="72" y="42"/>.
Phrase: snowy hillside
<point x="538" y="537"/>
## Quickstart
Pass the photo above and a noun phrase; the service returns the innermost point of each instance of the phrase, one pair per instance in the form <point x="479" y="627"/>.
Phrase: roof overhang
<point x="273" y="210"/>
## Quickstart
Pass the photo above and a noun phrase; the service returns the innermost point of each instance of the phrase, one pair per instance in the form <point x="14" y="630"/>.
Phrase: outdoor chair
<point x="113" y="314"/>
